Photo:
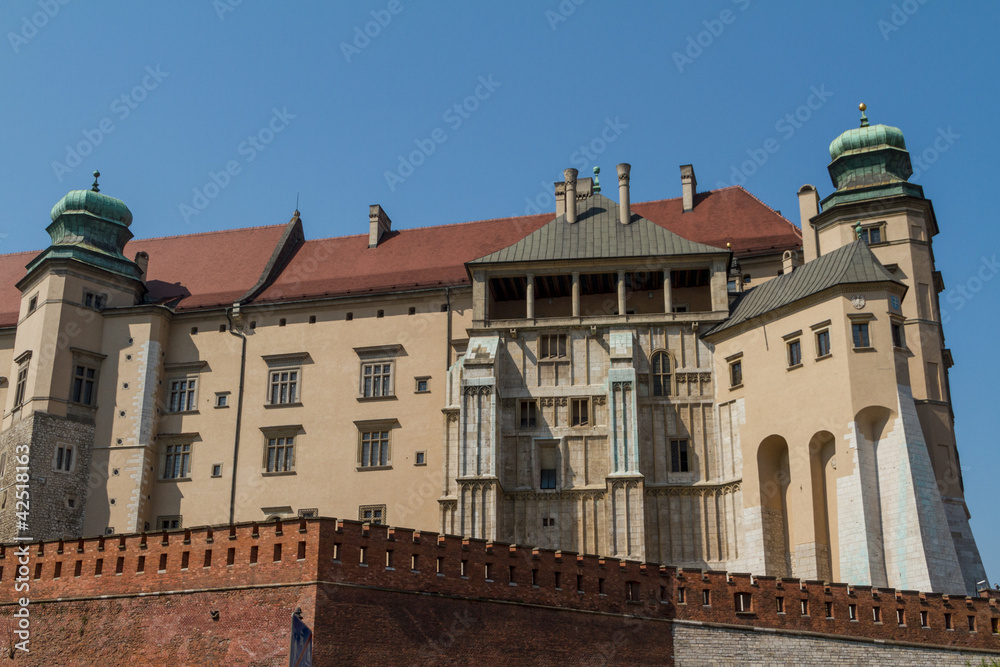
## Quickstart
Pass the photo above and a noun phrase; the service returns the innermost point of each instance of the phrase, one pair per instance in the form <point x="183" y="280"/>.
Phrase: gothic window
<point x="661" y="374"/>
<point x="679" y="455"/>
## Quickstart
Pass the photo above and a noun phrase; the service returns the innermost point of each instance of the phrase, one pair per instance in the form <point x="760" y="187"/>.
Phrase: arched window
<point x="661" y="374"/>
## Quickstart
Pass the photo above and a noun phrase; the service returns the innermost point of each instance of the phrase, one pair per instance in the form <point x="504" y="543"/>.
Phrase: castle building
<point x="691" y="381"/>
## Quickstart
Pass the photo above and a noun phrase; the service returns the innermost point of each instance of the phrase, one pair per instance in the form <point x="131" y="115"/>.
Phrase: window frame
<point x="390" y="376"/>
<point x="580" y="414"/>
<point x="793" y="353"/>
<point x="167" y="519"/>
<point x="735" y="370"/>
<point x="867" y="229"/>
<point x="545" y="343"/>
<point x="680" y="455"/>
<point x="60" y="453"/>
<point x="190" y="389"/>
<point x="862" y="322"/>
<point x="818" y="336"/>
<point x="283" y="445"/>
<point x="660" y="378"/>
<point x="294" y="385"/>
<point x="168" y="458"/>
<point x="77" y="394"/>
<point x="897" y="332"/>
<point x="380" y="509"/>
<point x="529" y="420"/>
<point x="21" y="386"/>
<point x="94" y="300"/>
<point x="373" y="426"/>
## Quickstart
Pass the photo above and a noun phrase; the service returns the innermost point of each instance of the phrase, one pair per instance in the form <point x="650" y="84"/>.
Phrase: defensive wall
<point x="384" y="595"/>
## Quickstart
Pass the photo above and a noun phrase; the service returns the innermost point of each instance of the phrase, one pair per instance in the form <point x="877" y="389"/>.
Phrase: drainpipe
<point x="447" y="356"/>
<point x="239" y="410"/>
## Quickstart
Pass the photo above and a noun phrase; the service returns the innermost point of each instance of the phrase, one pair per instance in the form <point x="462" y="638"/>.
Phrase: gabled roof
<point x="596" y="234"/>
<point x="852" y="263"/>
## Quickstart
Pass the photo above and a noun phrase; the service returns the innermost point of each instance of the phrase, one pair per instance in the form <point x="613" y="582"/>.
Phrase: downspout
<point x="447" y="356"/>
<point x="239" y="412"/>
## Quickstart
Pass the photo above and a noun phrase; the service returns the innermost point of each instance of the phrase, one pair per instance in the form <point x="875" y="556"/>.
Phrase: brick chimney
<point x="570" y="176"/>
<point x="624" y="206"/>
<point x="689" y="184"/>
<point x="379" y="225"/>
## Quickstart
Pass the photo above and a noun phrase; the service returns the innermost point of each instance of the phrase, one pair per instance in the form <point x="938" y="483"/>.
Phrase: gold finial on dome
<point x="864" y="118"/>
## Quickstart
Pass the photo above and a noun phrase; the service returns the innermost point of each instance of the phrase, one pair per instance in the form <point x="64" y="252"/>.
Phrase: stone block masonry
<point x="381" y="595"/>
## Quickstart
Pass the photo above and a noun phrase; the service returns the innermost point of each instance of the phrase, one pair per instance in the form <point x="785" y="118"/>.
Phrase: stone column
<point x="621" y="292"/>
<point x="668" y="297"/>
<point x="576" y="294"/>
<point x="529" y="292"/>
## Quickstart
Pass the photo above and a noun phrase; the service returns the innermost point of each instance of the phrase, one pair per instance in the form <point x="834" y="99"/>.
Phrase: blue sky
<point x="216" y="115"/>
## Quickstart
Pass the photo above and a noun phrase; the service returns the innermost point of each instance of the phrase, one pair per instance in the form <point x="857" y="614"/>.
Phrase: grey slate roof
<point x="853" y="263"/>
<point x="597" y="234"/>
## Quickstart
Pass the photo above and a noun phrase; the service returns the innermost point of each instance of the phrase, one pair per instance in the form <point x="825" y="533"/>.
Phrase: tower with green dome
<point x="875" y="203"/>
<point x="63" y="348"/>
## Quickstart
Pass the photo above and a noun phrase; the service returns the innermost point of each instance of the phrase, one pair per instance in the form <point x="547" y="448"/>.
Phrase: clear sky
<point x="216" y="115"/>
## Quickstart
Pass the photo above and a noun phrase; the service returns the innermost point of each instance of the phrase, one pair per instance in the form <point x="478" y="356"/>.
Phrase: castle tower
<point x="59" y="354"/>
<point x="874" y="201"/>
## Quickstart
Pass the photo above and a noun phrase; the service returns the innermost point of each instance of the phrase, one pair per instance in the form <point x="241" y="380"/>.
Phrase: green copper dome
<point x="94" y="203"/>
<point x="91" y="228"/>
<point x="870" y="162"/>
<point x="867" y="137"/>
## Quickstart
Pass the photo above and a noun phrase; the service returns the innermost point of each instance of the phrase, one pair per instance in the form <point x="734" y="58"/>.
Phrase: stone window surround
<point x="87" y="359"/>
<point x="172" y="439"/>
<point x="791" y="339"/>
<point x="670" y="373"/>
<point x="371" y="426"/>
<point x="285" y="362"/>
<point x="820" y="328"/>
<point x="731" y="361"/>
<point x="294" y="431"/>
<point x="863" y="318"/>
<point x="380" y="354"/>
<point x="183" y="370"/>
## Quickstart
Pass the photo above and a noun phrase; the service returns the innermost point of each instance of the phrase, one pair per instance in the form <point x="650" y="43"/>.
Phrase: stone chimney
<point x="379" y="225"/>
<point x="624" y="206"/>
<point x="689" y="184"/>
<point x="560" y="198"/>
<point x="570" y="176"/>
<point x="808" y="209"/>
<point x="790" y="260"/>
<point x="142" y="260"/>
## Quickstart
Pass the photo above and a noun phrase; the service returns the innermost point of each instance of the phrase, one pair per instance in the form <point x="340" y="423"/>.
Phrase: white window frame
<point x="171" y="450"/>
<point x="368" y="389"/>
<point x="190" y="391"/>
<point x="293" y="385"/>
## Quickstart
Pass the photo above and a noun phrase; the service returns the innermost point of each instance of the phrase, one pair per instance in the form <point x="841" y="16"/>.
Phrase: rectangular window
<point x="898" y="336"/>
<point x="794" y="353"/>
<point x="877" y="614"/>
<point x="859" y="330"/>
<point x="933" y="381"/>
<point x="83" y="384"/>
<point x="280" y="455"/>
<point x="168" y="523"/>
<point x="22" y="385"/>
<point x="529" y="414"/>
<point x="823" y="343"/>
<point x="181" y="395"/>
<point x="217" y="470"/>
<point x="923" y="619"/>
<point x="872" y="235"/>
<point x="284" y="386"/>
<point x="97" y="301"/>
<point x="177" y="461"/>
<point x="804" y="607"/>
<point x="552" y="346"/>
<point x="32" y="304"/>
<point x="947" y="621"/>
<point x="742" y="602"/>
<point x="679" y="455"/>
<point x="372" y="514"/>
<point x="548" y="465"/>
<point x="64" y="458"/>
<point x="581" y="411"/>
<point x="706" y="597"/>
<point x="780" y="604"/>
<point x="852" y="612"/>
<point x="736" y="374"/>
<point x="376" y="379"/>
<point x="423" y="385"/>
<point x="681" y="595"/>
<point x="222" y="400"/>
<point x="374" y="449"/>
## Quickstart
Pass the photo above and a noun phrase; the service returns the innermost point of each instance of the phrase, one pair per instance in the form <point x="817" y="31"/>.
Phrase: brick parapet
<point x="390" y="558"/>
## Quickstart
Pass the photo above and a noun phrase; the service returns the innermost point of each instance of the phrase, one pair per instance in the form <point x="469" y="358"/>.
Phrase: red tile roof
<point x="216" y="268"/>
<point x="209" y="269"/>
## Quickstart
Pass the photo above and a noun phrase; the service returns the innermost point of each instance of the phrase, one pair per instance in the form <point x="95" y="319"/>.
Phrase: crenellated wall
<point x="408" y="596"/>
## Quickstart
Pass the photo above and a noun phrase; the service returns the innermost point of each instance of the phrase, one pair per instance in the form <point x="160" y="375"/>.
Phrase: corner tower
<point x="875" y="202"/>
<point x="59" y="350"/>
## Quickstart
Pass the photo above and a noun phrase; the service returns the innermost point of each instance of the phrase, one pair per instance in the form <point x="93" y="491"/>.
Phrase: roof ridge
<point x="19" y="252"/>
<point x="215" y="231"/>
<point x="768" y="207"/>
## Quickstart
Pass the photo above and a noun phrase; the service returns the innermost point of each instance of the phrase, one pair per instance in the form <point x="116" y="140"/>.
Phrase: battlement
<point x="327" y="551"/>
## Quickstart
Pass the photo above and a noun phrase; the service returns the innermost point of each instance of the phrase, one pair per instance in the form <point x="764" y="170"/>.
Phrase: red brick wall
<point x="400" y="596"/>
